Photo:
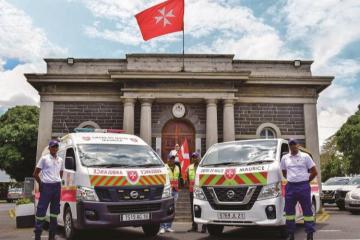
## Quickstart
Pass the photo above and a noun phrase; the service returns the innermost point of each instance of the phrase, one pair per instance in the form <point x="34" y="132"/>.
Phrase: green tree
<point x="332" y="160"/>
<point x="348" y="141"/>
<point x="18" y="139"/>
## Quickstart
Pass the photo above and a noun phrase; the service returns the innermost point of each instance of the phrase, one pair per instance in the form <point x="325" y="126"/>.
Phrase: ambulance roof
<point x="102" y="138"/>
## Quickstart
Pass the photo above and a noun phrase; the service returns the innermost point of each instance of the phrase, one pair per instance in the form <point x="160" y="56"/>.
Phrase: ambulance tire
<point x="151" y="230"/>
<point x="69" y="229"/>
<point x="215" y="230"/>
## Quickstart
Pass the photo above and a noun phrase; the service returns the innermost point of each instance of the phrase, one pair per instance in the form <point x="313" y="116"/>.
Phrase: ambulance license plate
<point x="231" y="216"/>
<point x="134" y="217"/>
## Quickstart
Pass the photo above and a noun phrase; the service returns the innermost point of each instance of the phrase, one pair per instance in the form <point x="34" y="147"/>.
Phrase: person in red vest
<point x="191" y="172"/>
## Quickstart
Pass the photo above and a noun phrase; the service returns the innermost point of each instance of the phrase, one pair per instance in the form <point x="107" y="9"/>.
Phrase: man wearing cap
<point x="173" y="172"/>
<point x="48" y="174"/>
<point x="299" y="170"/>
<point x="191" y="172"/>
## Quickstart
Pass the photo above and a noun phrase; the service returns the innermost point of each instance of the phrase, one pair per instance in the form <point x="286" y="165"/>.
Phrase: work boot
<point x="193" y="228"/>
<point x="291" y="236"/>
<point x="310" y="236"/>
<point x="37" y="237"/>
<point x="52" y="236"/>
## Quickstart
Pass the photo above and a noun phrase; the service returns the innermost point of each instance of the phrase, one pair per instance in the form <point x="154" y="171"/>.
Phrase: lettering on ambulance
<point x="103" y="180"/>
<point x="230" y="180"/>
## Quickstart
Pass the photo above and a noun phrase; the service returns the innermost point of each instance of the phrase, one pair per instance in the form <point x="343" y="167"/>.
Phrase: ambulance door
<point x="68" y="186"/>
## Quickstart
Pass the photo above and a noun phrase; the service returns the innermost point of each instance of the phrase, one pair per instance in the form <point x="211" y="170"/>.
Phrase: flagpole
<point x="183" y="41"/>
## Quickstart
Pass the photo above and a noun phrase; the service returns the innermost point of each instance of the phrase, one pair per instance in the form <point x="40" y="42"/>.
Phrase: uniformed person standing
<point x="191" y="172"/>
<point x="48" y="174"/>
<point x="173" y="172"/>
<point x="299" y="170"/>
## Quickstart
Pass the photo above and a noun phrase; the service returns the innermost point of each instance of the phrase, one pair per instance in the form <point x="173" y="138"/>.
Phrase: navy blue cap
<point x="171" y="155"/>
<point x="195" y="155"/>
<point x="293" y="141"/>
<point x="53" y="143"/>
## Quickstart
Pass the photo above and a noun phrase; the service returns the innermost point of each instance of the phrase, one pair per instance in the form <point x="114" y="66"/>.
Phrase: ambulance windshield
<point x="240" y="153"/>
<point x="118" y="155"/>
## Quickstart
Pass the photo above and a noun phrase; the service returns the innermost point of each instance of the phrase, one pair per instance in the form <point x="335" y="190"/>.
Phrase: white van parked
<point x="240" y="184"/>
<point x="112" y="180"/>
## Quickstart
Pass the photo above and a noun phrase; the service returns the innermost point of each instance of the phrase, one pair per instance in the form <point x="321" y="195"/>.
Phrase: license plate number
<point x="134" y="217"/>
<point x="355" y="202"/>
<point x="231" y="216"/>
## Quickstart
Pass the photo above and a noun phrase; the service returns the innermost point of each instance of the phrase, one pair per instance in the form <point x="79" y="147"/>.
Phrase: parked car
<point x="14" y="194"/>
<point x="340" y="194"/>
<point x="352" y="201"/>
<point x="330" y="186"/>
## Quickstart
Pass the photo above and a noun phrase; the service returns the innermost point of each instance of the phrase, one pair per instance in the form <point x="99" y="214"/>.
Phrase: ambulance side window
<point x="284" y="149"/>
<point x="70" y="153"/>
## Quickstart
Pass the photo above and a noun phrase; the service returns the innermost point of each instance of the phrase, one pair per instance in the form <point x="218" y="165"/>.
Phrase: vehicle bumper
<point x="107" y="219"/>
<point x="353" y="205"/>
<point x="253" y="217"/>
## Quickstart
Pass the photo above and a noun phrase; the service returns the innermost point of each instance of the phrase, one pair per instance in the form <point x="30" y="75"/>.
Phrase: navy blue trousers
<point x="49" y="195"/>
<point x="299" y="193"/>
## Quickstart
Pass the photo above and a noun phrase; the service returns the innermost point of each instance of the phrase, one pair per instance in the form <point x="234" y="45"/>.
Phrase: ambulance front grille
<point x="120" y="194"/>
<point x="234" y="207"/>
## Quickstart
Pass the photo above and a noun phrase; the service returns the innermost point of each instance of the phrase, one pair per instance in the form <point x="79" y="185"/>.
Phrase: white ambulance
<point x="112" y="180"/>
<point x="240" y="184"/>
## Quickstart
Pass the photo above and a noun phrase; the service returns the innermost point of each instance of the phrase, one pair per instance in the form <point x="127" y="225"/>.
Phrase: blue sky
<point x="325" y="31"/>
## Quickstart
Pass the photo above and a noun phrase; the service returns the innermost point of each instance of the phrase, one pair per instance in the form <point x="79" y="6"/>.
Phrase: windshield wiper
<point x="259" y="161"/>
<point x="110" y="165"/>
<point x="222" y="164"/>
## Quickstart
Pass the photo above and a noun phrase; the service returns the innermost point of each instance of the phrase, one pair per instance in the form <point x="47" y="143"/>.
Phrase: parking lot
<point x="332" y="224"/>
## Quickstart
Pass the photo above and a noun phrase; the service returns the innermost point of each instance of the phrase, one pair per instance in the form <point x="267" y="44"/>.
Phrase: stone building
<point x="216" y="98"/>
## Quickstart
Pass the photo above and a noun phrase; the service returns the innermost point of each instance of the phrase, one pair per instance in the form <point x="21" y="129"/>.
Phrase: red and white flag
<point x="184" y="158"/>
<point x="166" y="17"/>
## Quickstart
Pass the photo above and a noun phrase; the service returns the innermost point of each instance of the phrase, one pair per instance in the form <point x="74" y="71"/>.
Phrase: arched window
<point x="89" y="124"/>
<point x="268" y="133"/>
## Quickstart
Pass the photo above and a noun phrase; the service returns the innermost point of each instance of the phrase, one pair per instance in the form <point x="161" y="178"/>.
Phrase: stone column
<point x="128" y="123"/>
<point x="228" y="118"/>
<point x="211" y="123"/>
<point x="45" y="127"/>
<point x="145" y="121"/>
<point x="311" y="134"/>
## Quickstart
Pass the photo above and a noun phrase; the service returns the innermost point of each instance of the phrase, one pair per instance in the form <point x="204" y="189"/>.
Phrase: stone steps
<point x="183" y="208"/>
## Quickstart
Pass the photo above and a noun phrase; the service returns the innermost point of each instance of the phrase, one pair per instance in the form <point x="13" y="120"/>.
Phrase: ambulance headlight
<point x="199" y="193"/>
<point x="86" y="194"/>
<point x="167" y="191"/>
<point x="270" y="191"/>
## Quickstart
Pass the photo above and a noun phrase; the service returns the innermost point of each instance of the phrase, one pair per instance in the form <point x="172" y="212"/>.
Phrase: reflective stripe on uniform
<point x="192" y="174"/>
<point x="309" y="218"/>
<point x="290" y="217"/>
<point x="40" y="218"/>
<point x="174" y="176"/>
<point x="53" y="215"/>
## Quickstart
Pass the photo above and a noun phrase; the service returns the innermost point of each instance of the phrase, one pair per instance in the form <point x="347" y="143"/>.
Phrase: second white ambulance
<point x="240" y="184"/>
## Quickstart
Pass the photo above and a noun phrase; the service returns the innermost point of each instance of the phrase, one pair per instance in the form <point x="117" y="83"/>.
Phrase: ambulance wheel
<point x="151" y="230"/>
<point x="215" y="230"/>
<point x="70" y="231"/>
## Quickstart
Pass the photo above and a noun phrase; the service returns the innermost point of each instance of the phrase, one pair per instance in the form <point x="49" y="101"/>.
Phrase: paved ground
<point x="334" y="224"/>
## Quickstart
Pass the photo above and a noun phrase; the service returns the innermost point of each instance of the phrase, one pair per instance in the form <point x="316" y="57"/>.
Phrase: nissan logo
<point x="134" y="194"/>
<point x="230" y="194"/>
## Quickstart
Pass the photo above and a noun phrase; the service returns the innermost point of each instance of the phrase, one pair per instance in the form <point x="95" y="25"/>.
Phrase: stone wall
<point x="71" y="114"/>
<point x="289" y="118"/>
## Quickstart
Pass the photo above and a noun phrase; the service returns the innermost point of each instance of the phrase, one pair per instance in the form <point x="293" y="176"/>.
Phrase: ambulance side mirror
<point x="70" y="163"/>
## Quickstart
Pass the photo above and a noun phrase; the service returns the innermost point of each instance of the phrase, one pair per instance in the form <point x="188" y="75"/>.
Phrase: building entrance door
<point x="175" y="132"/>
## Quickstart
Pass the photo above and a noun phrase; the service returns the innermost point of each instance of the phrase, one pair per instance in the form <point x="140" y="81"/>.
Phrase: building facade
<point x="215" y="99"/>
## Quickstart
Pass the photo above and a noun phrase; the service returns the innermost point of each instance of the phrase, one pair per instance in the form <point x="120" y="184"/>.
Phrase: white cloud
<point x="326" y="26"/>
<point x="20" y="39"/>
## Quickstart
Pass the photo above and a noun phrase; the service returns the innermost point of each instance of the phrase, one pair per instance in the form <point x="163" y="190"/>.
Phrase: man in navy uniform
<point x="48" y="174"/>
<point x="299" y="170"/>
